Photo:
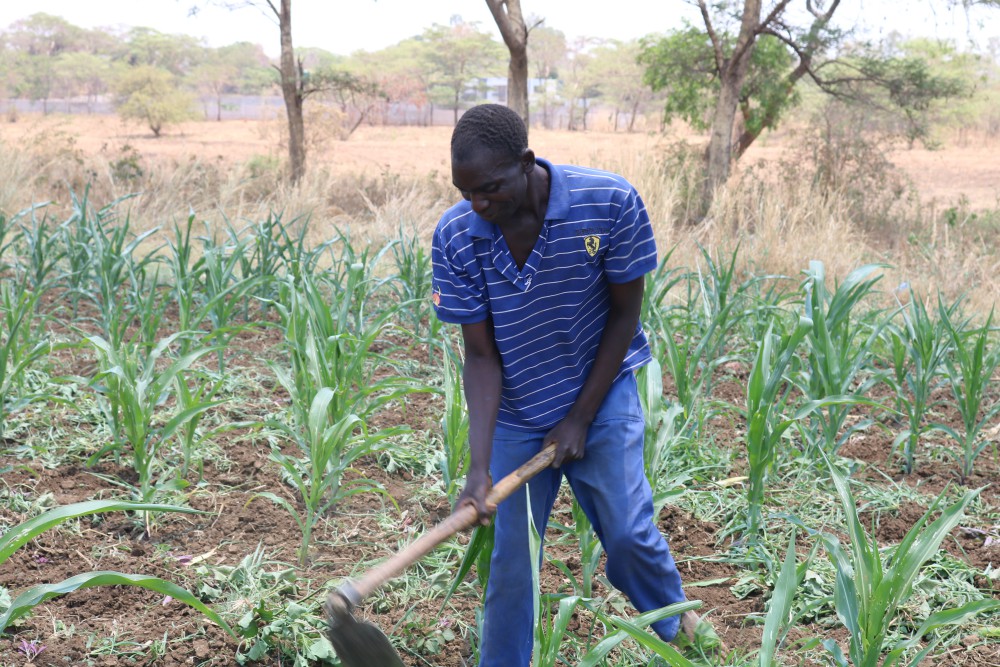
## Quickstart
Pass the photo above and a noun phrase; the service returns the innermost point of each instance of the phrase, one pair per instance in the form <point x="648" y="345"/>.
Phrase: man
<point x="543" y="267"/>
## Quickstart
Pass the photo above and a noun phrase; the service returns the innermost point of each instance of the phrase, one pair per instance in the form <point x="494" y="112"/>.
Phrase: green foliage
<point x="133" y="387"/>
<point x="333" y="394"/>
<point x="454" y="463"/>
<point x="969" y="367"/>
<point x="839" y="348"/>
<point x="869" y="591"/>
<point x="35" y="595"/>
<point x="919" y="349"/>
<point x="452" y="55"/>
<point x="21" y="347"/>
<point x="908" y="86"/>
<point x="766" y="398"/>
<point x="682" y="64"/>
<point x="149" y="95"/>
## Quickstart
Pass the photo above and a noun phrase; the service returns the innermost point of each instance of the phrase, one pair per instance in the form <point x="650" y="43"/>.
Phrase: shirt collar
<point x="557" y="209"/>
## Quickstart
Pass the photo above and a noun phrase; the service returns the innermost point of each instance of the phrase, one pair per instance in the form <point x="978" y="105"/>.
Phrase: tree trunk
<point x="291" y="90"/>
<point x="733" y="73"/>
<point x="510" y="21"/>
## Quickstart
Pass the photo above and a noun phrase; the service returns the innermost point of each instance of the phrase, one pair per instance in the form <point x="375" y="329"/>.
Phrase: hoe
<point x="361" y="644"/>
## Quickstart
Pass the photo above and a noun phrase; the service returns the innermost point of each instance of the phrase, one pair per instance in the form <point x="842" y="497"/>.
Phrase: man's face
<point x="495" y="185"/>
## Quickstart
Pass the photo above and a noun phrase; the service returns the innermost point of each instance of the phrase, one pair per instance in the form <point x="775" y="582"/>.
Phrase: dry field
<point x="942" y="176"/>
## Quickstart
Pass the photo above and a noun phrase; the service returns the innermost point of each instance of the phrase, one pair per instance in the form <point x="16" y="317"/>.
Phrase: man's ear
<point x="528" y="160"/>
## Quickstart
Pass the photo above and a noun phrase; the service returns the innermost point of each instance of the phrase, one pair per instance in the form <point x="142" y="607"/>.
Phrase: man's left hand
<point x="570" y="436"/>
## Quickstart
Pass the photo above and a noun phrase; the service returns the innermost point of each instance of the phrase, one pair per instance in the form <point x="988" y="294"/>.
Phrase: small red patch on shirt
<point x="436" y="298"/>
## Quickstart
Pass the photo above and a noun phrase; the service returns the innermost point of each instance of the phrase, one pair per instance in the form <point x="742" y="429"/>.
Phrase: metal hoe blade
<point x="357" y="643"/>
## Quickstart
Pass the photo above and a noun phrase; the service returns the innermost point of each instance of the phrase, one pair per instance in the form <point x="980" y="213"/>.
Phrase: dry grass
<point x="384" y="179"/>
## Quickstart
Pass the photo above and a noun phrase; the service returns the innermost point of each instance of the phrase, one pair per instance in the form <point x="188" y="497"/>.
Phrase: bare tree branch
<point x="720" y="59"/>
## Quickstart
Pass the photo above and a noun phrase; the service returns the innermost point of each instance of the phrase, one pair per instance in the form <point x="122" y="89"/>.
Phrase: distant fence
<point x="268" y="107"/>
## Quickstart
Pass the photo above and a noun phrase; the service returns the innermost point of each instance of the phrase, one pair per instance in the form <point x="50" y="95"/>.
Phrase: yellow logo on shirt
<point x="593" y="244"/>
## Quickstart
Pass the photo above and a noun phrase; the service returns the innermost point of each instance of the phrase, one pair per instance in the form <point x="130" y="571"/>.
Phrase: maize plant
<point x="333" y="395"/>
<point x="766" y="397"/>
<point x="133" y="387"/>
<point x="870" y="588"/>
<point x="20" y="347"/>
<point x="454" y="462"/>
<point x="838" y="349"/>
<point x="969" y="368"/>
<point x="919" y="350"/>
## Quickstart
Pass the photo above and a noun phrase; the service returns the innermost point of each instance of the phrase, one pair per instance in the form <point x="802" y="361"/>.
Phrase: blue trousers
<point x="611" y="488"/>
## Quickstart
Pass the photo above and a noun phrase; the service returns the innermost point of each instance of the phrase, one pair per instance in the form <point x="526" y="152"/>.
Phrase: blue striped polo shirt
<point x="549" y="315"/>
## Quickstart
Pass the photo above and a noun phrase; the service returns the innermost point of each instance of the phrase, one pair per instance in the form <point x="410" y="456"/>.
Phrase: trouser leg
<point x="509" y="610"/>
<point x="611" y="487"/>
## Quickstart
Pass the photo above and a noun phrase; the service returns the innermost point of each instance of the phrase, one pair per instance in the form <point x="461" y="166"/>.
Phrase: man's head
<point x="491" y="163"/>
<point x="489" y="127"/>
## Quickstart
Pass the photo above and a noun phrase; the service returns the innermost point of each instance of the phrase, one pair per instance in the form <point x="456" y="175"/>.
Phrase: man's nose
<point x="479" y="203"/>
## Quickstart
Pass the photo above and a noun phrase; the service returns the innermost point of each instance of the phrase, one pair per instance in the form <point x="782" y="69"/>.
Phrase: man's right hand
<point x="477" y="486"/>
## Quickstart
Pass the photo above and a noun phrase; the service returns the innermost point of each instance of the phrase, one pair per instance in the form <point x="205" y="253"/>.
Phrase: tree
<point x="213" y="77"/>
<point x="254" y="72"/>
<point x="401" y="79"/>
<point x="83" y="73"/>
<point x="178" y="54"/>
<point x="732" y="53"/>
<point x="149" y="94"/>
<point x="580" y="84"/>
<point x="617" y="73"/>
<point x="456" y="55"/>
<point x="510" y="21"/>
<point x="356" y="96"/>
<point x="37" y="41"/>
<point x="902" y="84"/>
<point x="291" y="75"/>
<point x="547" y="53"/>
<point x="682" y="64"/>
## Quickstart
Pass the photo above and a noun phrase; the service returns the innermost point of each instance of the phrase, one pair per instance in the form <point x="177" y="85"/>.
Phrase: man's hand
<point x="570" y="436"/>
<point x="477" y="486"/>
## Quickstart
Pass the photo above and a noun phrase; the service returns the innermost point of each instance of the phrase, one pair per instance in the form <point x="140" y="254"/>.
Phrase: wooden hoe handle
<point x="462" y="518"/>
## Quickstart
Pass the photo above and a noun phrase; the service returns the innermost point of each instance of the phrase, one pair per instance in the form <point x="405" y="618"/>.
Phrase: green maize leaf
<point x="918" y="545"/>
<point x="834" y="648"/>
<point x="183" y="417"/>
<point x="478" y="551"/>
<point x="17" y="536"/>
<point x="812" y="406"/>
<point x="957" y="616"/>
<point x="597" y="654"/>
<point x="550" y="653"/>
<point x="35" y="595"/>
<point x="780" y="606"/>
<point x="661" y="648"/>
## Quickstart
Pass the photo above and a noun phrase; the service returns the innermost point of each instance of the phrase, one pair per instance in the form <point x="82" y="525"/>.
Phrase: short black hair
<point x="490" y="126"/>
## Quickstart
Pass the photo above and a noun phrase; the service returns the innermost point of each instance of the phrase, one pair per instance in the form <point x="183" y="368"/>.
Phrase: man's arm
<point x="482" y="380"/>
<point x="571" y="433"/>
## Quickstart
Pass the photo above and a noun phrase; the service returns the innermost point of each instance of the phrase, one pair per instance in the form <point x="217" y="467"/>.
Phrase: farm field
<point x="286" y="380"/>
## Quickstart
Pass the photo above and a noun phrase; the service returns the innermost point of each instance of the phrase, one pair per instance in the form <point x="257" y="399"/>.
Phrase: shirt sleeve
<point x="632" y="248"/>
<point x="458" y="292"/>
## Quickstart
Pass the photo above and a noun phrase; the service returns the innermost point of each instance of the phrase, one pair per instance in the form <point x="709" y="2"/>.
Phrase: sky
<point x="346" y="26"/>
